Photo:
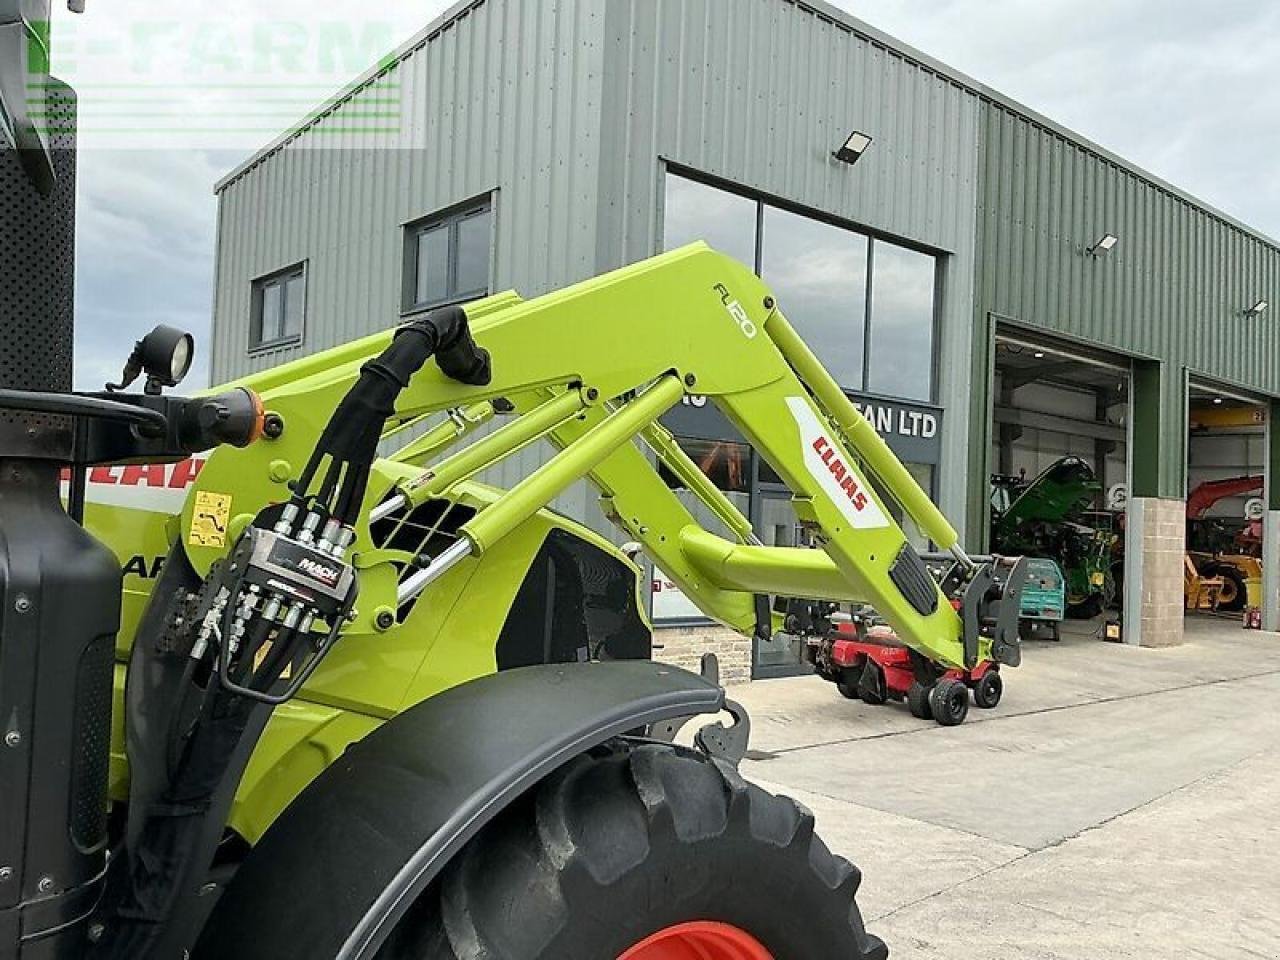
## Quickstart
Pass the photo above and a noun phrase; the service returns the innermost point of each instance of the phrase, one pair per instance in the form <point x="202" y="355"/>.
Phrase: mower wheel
<point x="848" y="688"/>
<point x="988" y="690"/>
<point x="872" y="688"/>
<point x="950" y="702"/>
<point x="639" y="851"/>
<point x="918" y="701"/>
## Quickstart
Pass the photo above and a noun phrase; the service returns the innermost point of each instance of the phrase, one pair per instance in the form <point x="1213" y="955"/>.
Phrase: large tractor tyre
<point x="950" y="702"/>
<point x="642" y="852"/>
<point x="918" y="701"/>
<point x="1234" y="596"/>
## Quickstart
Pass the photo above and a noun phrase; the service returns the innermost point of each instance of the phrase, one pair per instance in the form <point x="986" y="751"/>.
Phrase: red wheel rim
<point x="700" y="940"/>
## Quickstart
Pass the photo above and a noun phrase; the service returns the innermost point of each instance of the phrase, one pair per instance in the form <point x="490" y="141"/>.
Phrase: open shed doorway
<point x="1226" y="505"/>
<point x="1059" y="487"/>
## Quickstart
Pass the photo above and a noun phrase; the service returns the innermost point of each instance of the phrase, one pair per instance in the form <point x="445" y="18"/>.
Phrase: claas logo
<point x="146" y="568"/>
<point x="156" y="476"/>
<point x="843" y="475"/>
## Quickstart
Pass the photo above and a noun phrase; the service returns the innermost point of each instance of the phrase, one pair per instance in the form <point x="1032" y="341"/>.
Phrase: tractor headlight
<point x="166" y="354"/>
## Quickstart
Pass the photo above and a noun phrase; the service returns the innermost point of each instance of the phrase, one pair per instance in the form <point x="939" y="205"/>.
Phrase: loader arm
<point x="1204" y="496"/>
<point x="591" y="368"/>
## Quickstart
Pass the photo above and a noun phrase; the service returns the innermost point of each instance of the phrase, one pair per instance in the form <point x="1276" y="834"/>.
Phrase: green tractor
<point x="268" y="694"/>
<point x="1043" y="518"/>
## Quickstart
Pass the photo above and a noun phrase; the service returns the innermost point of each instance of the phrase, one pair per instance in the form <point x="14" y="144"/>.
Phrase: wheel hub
<point x="700" y="940"/>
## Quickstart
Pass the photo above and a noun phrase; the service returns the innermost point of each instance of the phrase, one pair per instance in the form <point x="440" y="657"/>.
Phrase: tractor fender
<point x="347" y="858"/>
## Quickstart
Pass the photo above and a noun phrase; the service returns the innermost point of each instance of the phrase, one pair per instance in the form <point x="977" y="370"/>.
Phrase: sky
<point x="1184" y="89"/>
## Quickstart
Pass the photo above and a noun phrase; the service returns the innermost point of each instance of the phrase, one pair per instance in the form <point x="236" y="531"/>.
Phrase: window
<point x="819" y="273"/>
<point x="923" y="475"/>
<point x="726" y="462"/>
<point x="901" y="343"/>
<point x="447" y="257"/>
<point x="865" y="306"/>
<point x="725" y="220"/>
<point x="279" y="306"/>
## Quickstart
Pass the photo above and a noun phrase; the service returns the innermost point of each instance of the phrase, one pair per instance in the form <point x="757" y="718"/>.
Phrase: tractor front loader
<point x="323" y="703"/>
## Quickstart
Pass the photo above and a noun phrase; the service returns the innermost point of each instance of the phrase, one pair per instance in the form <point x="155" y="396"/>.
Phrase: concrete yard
<point x="1119" y="803"/>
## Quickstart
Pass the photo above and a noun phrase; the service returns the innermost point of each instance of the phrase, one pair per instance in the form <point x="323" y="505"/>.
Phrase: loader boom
<point x="1204" y="496"/>
<point x="591" y="368"/>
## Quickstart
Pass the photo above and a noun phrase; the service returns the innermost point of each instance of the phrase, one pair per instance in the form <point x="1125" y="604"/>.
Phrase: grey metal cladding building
<point x="534" y="143"/>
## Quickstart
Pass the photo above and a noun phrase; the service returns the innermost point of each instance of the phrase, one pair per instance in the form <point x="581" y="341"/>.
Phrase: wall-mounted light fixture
<point x="1104" y="245"/>
<point x="1258" y="309"/>
<point x="1217" y="401"/>
<point x="853" y="148"/>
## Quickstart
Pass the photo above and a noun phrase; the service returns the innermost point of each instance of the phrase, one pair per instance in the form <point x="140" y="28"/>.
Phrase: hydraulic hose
<point x="351" y="437"/>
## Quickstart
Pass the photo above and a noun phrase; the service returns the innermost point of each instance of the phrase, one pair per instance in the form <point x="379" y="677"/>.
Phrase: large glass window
<point x="279" y="305"/>
<point x="865" y="306"/>
<point x="819" y="273"/>
<point x="728" y="464"/>
<point x="923" y="475"/>
<point x="902" y="305"/>
<point x="447" y="257"/>
<point x="725" y="220"/>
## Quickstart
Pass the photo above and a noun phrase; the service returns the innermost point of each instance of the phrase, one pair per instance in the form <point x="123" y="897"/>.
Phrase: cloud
<point x="169" y="102"/>
<point x="1184" y="90"/>
<point x="144" y="253"/>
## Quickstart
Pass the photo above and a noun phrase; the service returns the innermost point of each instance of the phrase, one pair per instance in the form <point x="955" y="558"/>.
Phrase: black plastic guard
<point x="352" y="852"/>
<point x="913" y="580"/>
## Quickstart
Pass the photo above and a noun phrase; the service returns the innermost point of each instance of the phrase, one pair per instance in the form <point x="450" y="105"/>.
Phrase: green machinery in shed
<point x="1043" y="519"/>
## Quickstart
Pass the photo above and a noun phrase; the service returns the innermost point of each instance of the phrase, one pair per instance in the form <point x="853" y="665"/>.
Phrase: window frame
<point x="668" y="168"/>
<point x="257" y="294"/>
<point x="451" y="217"/>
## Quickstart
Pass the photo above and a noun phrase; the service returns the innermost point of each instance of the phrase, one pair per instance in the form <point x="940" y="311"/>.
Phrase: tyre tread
<point x="542" y="847"/>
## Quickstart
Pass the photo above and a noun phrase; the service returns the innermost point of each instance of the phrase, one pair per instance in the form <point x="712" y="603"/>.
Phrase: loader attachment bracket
<point x="715" y="739"/>
<point x="357" y="846"/>
<point x="1006" y="644"/>
<point x="726" y="743"/>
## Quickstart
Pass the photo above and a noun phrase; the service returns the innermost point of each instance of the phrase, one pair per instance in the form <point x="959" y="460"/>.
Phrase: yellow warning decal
<point x="209" y="519"/>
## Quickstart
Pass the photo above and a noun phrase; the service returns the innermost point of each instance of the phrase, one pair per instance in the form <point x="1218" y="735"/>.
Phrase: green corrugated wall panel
<point x="1174" y="289"/>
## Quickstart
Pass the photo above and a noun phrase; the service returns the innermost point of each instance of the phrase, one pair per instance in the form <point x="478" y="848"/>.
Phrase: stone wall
<point x="684" y="647"/>
<point x="1156" y="538"/>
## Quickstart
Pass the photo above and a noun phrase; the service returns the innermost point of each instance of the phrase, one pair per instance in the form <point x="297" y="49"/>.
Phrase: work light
<point x="1104" y="244"/>
<point x="853" y="148"/>
<point x="164" y="354"/>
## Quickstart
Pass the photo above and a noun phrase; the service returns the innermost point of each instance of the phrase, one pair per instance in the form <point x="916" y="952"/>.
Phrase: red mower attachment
<point x="869" y="664"/>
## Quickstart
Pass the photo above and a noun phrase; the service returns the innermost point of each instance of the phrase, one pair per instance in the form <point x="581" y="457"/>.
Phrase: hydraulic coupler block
<point x="294" y="572"/>
<point x="284" y="601"/>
